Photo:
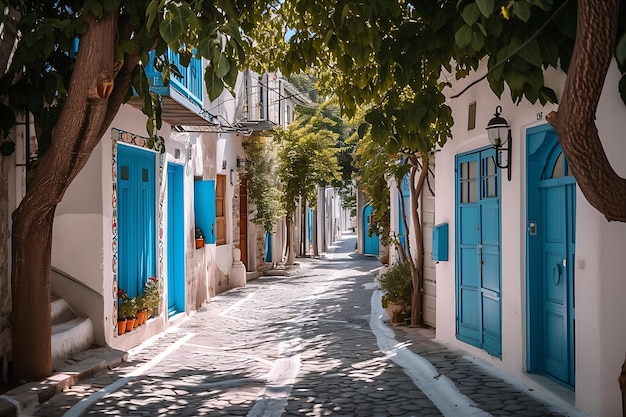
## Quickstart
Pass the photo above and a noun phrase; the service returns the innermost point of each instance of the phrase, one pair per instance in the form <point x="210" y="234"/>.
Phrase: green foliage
<point x="396" y="284"/>
<point x="374" y="165"/>
<point x="127" y="307"/>
<point x="263" y="185"/>
<point x="41" y="71"/>
<point x="307" y="157"/>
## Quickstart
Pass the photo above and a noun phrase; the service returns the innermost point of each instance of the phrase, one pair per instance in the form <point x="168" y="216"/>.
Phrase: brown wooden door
<point x="243" y="220"/>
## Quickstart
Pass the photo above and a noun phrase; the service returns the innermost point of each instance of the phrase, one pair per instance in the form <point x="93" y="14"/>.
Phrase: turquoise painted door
<point x="269" y="242"/>
<point x="551" y="249"/>
<point x="478" y="276"/>
<point x="175" y="239"/>
<point x="136" y="217"/>
<point x="204" y="208"/>
<point x="405" y="196"/>
<point x="370" y="243"/>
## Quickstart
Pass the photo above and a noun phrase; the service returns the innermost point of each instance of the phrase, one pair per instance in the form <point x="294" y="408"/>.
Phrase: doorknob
<point x="556" y="271"/>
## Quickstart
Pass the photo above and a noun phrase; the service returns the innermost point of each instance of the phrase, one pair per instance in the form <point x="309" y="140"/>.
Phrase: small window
<point x="559" y="169"/>
<point x="471" y="116"/>
<point x="124" y="172"/>
<point x="489" y="177"/>
<point x="469" y="182"/>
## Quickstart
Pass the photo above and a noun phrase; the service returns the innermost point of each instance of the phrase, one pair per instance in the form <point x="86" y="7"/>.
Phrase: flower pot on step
<point x="130" y="323"/>
<point x="121" y="327"/>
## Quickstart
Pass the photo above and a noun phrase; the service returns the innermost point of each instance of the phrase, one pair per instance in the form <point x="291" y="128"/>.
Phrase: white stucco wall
<point x="78" y="236"/>
<point x="599" y="285"/>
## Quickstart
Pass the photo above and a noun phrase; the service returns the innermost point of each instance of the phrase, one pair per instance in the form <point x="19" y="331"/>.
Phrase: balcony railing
<point x="189" y="85"/>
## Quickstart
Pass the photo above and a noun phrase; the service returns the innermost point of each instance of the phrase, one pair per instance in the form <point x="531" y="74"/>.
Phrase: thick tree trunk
<point x="417" y="264"/>
<point x="574" y="122"/>
<point x="96" y="92"/>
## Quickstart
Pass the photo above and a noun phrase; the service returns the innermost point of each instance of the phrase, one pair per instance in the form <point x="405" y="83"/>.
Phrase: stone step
<point x="71" y="334"/>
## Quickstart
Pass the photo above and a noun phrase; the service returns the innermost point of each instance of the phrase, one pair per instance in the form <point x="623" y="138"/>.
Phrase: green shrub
<point x="396" y="284"/>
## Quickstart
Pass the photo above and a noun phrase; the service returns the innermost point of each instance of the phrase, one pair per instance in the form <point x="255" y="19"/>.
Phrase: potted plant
<point x="142" y="308"/>
<point x="152" y="295"/>
<point x="397" y="286"/>
<point x="199" y="238"/>
<point x="127" y="309"/>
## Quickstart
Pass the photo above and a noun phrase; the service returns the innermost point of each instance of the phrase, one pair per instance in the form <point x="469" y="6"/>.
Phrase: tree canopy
<point x="307" y="156"/>
<point x="395" y="59"/>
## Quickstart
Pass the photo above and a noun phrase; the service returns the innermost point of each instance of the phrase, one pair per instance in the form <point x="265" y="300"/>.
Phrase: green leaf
<point x="173" y="26"/>
<point x="477" y="41"/>
<point x="94" y="7"/>
<point x="471" y="13"/>
<point x="151" y="13"/>
<point x="214" y="85"/>
<point x="532" y="54"/>
<point x="521" y="9"/>
<point x="222" y="66"/>
<point x="486" y="7"/>
<point x="230" y="79"/>
<point x="463" y="36"/>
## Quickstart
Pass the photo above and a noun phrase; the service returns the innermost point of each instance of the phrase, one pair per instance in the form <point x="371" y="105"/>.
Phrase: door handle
<point x="556" y="271"/>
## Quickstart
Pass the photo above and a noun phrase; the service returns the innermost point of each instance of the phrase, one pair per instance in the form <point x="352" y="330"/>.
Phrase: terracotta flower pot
<point x="199" y="243"/>
<point x="130" y="323"/>
<point x="121" y="327"/>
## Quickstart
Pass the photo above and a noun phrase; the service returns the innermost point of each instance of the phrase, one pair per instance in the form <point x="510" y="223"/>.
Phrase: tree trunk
<point x="316" y="251"/>
<point x="303" y="223"/>
<point x="96" y="92"/>
<point x="574" y="122"/>
<point x="290" y="255"/>
<point x="417" y="264"/>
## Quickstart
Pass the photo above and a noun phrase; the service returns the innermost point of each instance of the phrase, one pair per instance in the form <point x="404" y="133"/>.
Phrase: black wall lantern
<point x="499" y="133"/>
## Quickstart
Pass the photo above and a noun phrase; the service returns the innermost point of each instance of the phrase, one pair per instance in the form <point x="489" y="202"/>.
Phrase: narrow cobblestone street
<point x="304" y="344"/>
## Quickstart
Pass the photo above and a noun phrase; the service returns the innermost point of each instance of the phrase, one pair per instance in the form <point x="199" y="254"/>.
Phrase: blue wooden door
<point x="204" y="208"/>
<point x="370" y="243"/>
<point x="175" y="239"/>
<point x="404" y="196"/>
<point x="551" y="248"/>
<point x="269" y="243"/>
<point x="136" y="217"/>
<point x="478" y="276"/>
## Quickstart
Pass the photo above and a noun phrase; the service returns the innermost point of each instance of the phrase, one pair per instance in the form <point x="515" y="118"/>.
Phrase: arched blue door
<point x="370" y="243"/>
<point x="550" y="257"/>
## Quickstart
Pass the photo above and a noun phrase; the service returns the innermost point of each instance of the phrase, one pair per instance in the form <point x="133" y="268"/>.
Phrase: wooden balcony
<point x="182" y="98"/>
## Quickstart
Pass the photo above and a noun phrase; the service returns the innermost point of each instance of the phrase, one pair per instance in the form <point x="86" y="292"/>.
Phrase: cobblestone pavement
<point x="294" y="345"/>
